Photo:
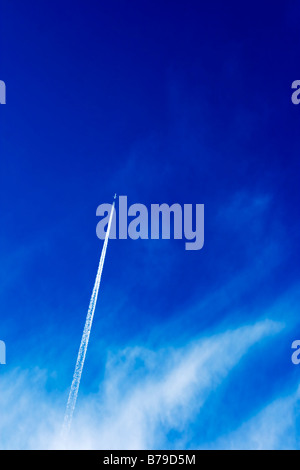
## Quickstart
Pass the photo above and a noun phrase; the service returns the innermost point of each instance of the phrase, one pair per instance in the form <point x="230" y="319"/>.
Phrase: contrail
<point x="85" y="337"/>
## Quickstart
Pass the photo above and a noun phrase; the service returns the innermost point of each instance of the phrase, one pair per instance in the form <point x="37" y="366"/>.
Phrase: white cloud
<point x="144" y="395"/>
<point x="273" y="428"/>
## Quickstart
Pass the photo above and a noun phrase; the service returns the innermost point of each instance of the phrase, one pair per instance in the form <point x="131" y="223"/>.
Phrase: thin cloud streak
<point x="273" y="428"/>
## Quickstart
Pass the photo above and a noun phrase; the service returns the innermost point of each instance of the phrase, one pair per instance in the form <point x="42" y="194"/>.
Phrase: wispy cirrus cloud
<point x="273" y="428"/>
<point x="145" y="395"/>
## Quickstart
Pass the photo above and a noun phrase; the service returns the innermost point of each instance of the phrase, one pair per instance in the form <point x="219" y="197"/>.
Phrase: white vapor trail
<point x="85" y="337"/>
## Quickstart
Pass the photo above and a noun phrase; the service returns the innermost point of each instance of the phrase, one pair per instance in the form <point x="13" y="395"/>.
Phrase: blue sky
<point x="164" y="103"/>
